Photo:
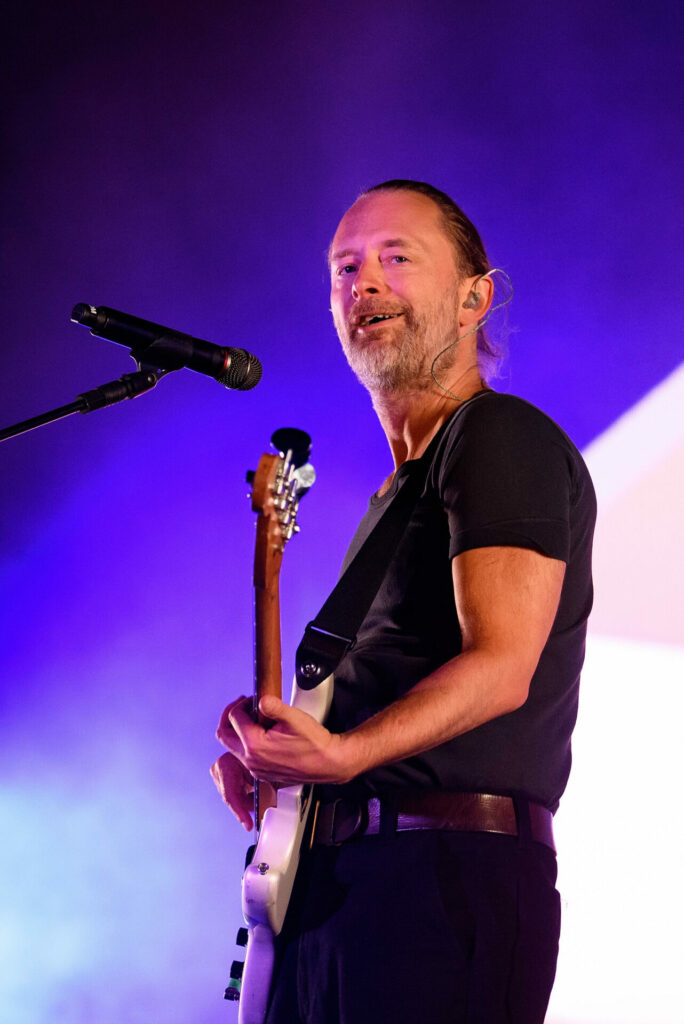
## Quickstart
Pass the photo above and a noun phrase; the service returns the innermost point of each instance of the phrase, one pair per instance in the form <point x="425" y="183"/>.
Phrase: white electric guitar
<point x="280" y="819"/>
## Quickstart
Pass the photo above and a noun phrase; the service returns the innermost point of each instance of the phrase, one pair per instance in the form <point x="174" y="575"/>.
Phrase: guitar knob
<point x="235" y="983"/>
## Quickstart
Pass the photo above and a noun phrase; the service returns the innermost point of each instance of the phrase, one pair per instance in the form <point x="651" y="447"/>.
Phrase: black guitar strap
<point x="333" y="632"/>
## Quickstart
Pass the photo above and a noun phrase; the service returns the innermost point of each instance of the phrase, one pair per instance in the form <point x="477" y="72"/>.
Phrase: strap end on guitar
<point x="318" y="655"/>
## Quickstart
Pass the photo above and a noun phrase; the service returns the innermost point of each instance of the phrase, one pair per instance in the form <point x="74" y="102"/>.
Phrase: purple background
<point x="189" y="164"/>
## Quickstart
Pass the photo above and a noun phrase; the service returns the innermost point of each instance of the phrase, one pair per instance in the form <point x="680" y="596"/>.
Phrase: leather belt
<point x="418" y="810"/>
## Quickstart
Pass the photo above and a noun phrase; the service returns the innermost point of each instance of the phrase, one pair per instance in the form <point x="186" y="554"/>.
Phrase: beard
<point x="399" y="356"/>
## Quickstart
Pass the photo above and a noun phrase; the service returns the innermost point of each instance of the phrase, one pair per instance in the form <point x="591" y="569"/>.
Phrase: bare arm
<point x="506" y="599"/>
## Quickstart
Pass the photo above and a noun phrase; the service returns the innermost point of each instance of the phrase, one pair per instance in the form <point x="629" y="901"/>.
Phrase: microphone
<point x="168" y="349"/>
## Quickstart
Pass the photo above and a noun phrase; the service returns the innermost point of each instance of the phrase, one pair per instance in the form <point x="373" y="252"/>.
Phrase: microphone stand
<point x="129" y="386"/>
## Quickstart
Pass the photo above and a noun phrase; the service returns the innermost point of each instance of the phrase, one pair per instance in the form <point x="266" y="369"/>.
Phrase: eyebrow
<point x="389" y="243"/>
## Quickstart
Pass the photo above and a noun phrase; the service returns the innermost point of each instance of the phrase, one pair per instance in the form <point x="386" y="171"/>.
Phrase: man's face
<point x="395" y="289"/>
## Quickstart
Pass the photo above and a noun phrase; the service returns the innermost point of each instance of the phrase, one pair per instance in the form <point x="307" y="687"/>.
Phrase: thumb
<point x="273" y="707"/>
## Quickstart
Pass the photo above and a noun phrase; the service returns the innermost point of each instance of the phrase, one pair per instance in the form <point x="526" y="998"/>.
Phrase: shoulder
<point x="501" y="421"/>
<point x="495" y="411"/>
<point x="506" y="437"/>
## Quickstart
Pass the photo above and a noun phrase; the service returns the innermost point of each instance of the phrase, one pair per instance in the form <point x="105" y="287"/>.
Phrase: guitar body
<point x="268" y="880"/>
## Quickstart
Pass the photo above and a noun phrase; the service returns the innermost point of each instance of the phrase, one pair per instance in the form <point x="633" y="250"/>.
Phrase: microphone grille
<point x="243" y="373"/>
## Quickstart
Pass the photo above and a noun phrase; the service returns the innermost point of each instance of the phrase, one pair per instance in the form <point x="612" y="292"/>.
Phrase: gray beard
<point x="403" y="362"/>
<point x="396" y="365"/>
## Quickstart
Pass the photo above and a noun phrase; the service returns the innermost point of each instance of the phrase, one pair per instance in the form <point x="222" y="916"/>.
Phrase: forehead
<point x="381" y="216"/>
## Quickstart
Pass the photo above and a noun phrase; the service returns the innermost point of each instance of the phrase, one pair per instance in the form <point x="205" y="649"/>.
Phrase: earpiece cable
<point x="473" y="330"/>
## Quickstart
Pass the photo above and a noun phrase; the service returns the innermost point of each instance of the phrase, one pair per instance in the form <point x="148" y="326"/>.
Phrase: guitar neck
<point x="267" y="655"/>
<point x="277" y="488"/>
<point x="267" y="676"/>
<point x="268" y="555"/>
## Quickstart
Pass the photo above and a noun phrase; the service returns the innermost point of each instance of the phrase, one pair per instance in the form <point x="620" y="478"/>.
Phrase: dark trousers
<point x="420" y="928"/>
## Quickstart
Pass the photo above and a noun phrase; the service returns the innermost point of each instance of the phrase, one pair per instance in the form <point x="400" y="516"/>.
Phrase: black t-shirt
<point x="502" y="473"/>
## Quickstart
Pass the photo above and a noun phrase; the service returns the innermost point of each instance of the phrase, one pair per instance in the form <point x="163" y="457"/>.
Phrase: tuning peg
<point x="249" y="476"/>
<point x="296" y="441"/>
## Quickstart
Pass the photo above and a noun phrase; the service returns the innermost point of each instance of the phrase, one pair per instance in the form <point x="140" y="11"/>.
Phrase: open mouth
<point x="376" y="318"/>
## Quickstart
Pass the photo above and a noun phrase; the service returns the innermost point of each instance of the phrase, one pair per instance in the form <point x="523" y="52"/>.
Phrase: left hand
<point x="296" y="749"/>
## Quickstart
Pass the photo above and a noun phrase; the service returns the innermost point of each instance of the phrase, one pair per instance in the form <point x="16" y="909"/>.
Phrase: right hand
<point x="233" y="781"/>
<point x="236" y="786"/>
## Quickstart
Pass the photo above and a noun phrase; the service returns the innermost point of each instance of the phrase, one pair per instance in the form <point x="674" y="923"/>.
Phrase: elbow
<point x="512" y="687"/>
<point x="516" y="684"/>
<point x="516" y="695"/>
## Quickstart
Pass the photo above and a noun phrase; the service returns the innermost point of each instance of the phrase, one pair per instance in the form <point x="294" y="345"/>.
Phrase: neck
<point x="411" y="419"/>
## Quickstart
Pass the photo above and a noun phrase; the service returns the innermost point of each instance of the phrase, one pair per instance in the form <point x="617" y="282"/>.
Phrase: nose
<point x="369" y="279"/>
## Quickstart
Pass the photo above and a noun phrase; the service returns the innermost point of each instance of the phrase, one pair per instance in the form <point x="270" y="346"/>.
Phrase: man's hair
<point x="471" y="256"/>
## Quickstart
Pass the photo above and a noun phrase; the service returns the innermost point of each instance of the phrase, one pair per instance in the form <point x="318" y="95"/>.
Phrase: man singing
<point x="428" y="894"/>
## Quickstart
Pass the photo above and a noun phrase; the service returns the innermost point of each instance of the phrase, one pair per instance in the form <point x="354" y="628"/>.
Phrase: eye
<point x="398" y="259"/>
<point x="347" y="268"/>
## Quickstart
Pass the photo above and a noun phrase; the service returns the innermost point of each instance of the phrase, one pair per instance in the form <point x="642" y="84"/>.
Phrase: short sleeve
<point x="504" y="474"/>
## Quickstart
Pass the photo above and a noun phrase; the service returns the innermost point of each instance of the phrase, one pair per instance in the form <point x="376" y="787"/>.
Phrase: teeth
<point x="377" y="318"/>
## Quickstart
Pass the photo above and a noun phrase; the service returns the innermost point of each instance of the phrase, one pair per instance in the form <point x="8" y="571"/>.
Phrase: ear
<point x="476" y="297"/>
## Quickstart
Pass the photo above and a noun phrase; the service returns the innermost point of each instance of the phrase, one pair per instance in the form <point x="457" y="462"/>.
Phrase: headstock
<point x="278" y="485"/>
